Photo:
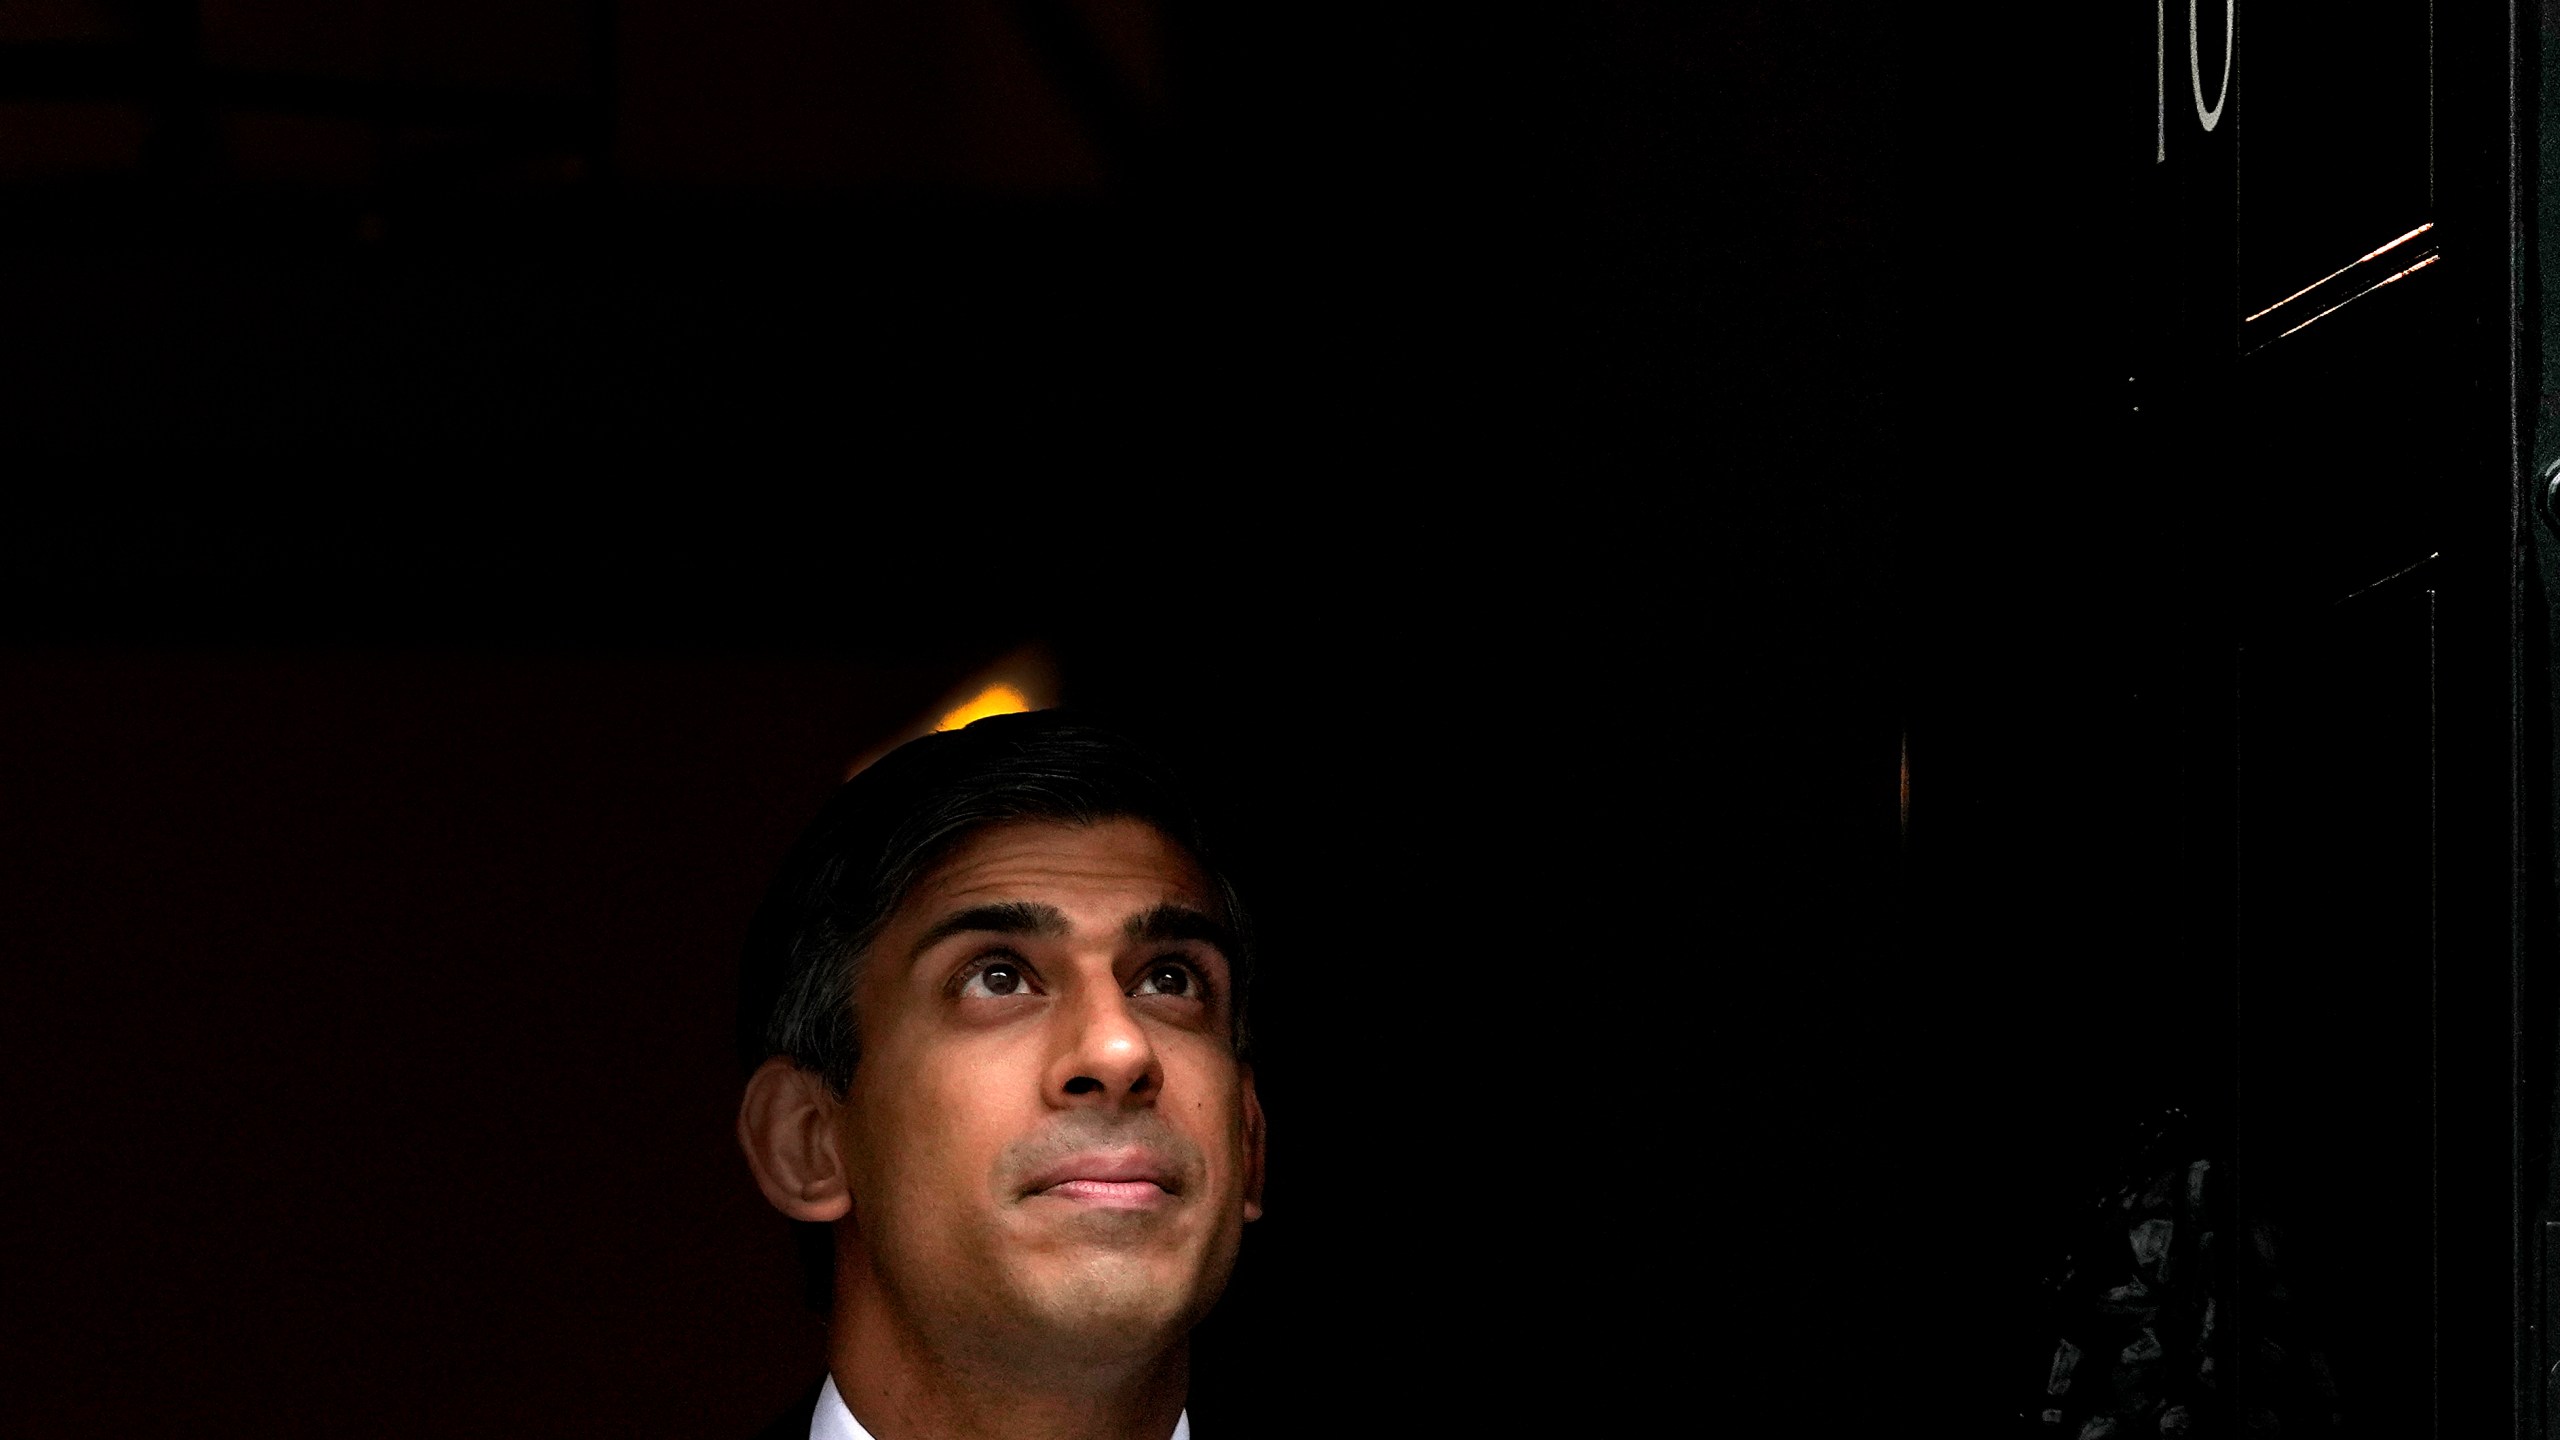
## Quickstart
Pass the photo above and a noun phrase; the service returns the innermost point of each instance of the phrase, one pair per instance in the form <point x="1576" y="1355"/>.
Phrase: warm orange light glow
<point x="994" y="700"/>
<point x="1906" y="786"/>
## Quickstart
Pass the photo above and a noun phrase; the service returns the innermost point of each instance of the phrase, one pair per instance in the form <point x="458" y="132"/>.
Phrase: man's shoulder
<point x="793" y="1424"/>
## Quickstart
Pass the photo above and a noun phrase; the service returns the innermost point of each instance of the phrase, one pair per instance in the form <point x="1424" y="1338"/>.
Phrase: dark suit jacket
<point x="793" y="1424"/>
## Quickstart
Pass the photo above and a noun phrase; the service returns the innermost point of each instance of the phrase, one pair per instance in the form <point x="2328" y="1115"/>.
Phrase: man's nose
<point x="1104" y="1056"/>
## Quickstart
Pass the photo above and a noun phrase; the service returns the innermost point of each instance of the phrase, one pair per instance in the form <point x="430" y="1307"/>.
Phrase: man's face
<point x="1051" y="1142"/>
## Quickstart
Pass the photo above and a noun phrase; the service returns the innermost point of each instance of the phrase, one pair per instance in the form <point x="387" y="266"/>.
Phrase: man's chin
<point x="1098" y="1305"/>
<point x="1105" y="1288"/>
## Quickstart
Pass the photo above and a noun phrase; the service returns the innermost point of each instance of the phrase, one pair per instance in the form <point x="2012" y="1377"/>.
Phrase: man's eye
<point x="996" y="980"/>
<point x="1167" y="978"/>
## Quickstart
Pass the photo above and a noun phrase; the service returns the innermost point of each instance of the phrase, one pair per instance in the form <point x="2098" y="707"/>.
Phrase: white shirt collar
<point x="833" y="1421"/>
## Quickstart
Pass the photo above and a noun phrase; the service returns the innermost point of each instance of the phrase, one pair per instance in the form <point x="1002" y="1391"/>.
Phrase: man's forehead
<point x="1101" y="872"/>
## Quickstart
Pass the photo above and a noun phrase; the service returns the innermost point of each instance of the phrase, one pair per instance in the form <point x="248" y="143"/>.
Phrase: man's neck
<point x="901" y="1387"/>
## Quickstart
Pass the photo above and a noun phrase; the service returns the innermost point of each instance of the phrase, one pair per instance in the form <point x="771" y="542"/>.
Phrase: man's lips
<point x="1108" y="1192"/>
<point x="1116" y="1178"/>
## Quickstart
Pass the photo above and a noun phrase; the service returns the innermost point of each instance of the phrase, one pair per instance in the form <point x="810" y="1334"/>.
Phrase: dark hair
<point x="887" y="827"/>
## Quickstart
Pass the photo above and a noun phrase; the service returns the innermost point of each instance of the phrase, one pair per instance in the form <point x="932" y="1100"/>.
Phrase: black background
<point x="1549" y="469"/>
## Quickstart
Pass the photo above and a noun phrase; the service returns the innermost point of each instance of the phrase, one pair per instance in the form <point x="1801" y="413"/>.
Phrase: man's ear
<point x="1252" y="1148"/>
<point x="786" y="1124"/>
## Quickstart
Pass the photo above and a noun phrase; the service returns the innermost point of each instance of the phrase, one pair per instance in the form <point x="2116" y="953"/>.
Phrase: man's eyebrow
<point x="1012" y="917"/>
<point x="1171" y="921"/>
